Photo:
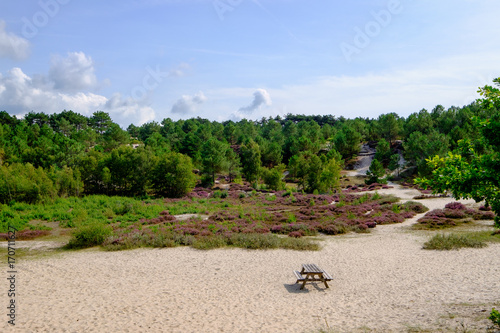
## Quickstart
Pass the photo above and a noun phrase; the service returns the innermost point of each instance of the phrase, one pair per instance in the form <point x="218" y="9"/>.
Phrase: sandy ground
<point x="383" y="282"/>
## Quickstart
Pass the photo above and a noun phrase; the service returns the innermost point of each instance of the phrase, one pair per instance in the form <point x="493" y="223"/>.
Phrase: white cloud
<point x="449" y="81"/>
<point x="20" y="94"/>
<point x="73" y="73"/>
<point x="11" y="45"/>
<point x="260" y="97"/>
<point x="180" y="70"/>
<point x="188" y="104"/>
<point x="126" y="111"/>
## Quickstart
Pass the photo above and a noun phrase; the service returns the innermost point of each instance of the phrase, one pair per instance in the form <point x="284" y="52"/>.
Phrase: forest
<point x="46" y="157"/>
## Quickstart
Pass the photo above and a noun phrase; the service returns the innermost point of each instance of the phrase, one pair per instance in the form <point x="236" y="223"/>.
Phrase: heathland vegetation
<point x="246" y="182"/>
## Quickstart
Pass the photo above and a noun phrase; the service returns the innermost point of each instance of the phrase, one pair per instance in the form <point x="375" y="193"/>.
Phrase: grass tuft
<point x="454" y="242"/>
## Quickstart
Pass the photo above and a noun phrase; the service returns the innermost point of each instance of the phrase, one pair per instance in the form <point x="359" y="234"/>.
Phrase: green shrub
<point x="453" y="242"/>
<point x="207" y="243"/>
<point x="299" y="244"/>
<point x="291" y="218"/>
<point x="495" y="317"/>
<point x="89" y="236"/>
<point x="254" y="241"/>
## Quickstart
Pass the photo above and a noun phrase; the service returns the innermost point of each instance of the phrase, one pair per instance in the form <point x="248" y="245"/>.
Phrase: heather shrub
<point x="454" y="213"/>
<point x="296" y="234"/>
<point x="484" y="215"/>
<point x="333" y="229"/>
<point x="455" y="205"/>
<point x="361" y="228"/>
<point x="31" y="234"/>
<point x="371" y="224"/>
<point x="416" y="207"/>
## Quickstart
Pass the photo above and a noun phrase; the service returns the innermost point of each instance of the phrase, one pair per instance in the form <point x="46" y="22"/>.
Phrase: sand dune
<point x="383" y="282"/>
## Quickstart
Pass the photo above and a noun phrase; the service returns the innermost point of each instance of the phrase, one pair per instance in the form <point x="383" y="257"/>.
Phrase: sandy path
<point x="383" y="281"/>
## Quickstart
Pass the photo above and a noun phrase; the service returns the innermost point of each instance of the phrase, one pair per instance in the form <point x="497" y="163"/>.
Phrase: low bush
<point x="453" y="214"/>
<point x="455" y="205"/>
<point x="453" y="242"/>
<point x="208" y="243"/>
<point x="255" y="241"/>
<point x="89" y="236"/>
<point x="495" y="317"/>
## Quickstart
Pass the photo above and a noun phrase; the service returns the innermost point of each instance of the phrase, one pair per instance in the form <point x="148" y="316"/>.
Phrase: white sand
<point x="383" y="282"/>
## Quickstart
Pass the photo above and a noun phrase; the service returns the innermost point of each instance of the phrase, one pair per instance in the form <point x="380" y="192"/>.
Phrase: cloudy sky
<point x="144" y="60"/>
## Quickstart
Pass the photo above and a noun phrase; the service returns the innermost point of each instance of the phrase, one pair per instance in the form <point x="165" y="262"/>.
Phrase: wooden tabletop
<point x="311" y="268"/>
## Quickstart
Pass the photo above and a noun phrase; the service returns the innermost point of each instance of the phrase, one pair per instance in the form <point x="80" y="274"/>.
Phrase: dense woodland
<point x="67" y="154"/>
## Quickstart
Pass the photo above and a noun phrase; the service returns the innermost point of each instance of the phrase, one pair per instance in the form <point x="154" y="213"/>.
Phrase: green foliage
<point x="418" y="147"/>
<point x="389" y="126"/>
<point x="375" y="173"/>
<point x="495" y="317"/>
<point x="452" y="242"/>
<point x="314" y="174"/>
<point x="273" y="178"/>
<point x="173" y="175"/>
<point x="250" y="159"/>
<point x="25" y="183"/>
<point x="469" y="173"/>
<point x="383" y="152"/>
<point x="347" y="141"/>
<point x="88" y="236"/>
<point x="213" y="156"/>
<point x="254" y="241"/>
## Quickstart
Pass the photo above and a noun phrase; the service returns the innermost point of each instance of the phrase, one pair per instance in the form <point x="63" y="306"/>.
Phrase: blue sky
<point x="231" y="59"/>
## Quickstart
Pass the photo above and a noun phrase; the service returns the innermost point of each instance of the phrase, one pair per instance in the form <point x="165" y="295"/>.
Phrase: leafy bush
<point x="495" y="317"/>
<point x="89" y="236"/>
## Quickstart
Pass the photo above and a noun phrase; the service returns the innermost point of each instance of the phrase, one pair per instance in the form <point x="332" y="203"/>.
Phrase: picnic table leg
<point x="303" y="284"/>
<point x="326" y="284"/>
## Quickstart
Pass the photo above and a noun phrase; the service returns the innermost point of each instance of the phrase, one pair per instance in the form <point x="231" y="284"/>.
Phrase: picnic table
<point x="312" y="273"/>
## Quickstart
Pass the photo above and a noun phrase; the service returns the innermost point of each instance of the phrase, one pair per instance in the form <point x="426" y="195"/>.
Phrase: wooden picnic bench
<point x="312" y="273"/>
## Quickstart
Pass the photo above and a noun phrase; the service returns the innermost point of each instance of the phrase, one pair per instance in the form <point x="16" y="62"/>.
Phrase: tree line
<point x="68" y="154"/>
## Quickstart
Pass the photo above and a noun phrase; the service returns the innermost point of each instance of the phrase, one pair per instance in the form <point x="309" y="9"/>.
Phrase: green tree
<point x="100" y="121"/>
<point x="274" y="177"/>
<point x="419" y="122"/>
<point x="250" y="160"/>
<point x="114" y="136"/>
<point x="394" y="163"/>
<point x="213" y="157"/>
<point x="347" y="141"/>
<point x="233" y="164"/>
<point x="25" y="183"/>
<point x="383" y="152"/>
<point x="389" y="126"/>
<point x="375" y="172"/>
<point x="314" y="174"/>
<point x="173" y="175"/>
<point x="271" y="154"/>
<point x="67" y="182"/>
<point x="418" y="147"/>
<point x="466" y="173"/>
